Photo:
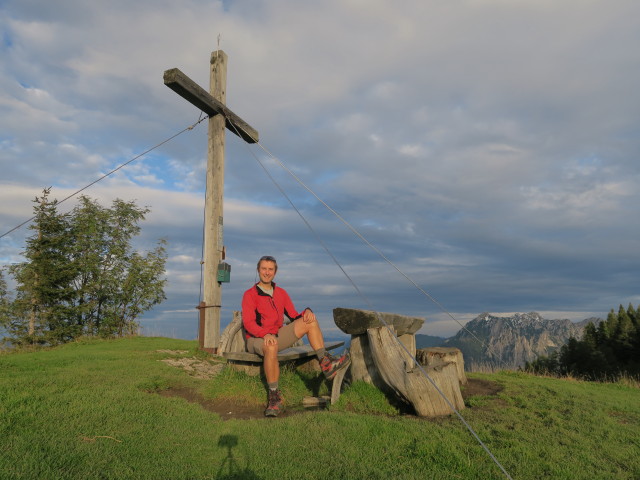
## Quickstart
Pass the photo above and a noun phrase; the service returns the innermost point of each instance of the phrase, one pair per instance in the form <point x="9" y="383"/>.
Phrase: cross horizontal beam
<point x="195" y="94"/>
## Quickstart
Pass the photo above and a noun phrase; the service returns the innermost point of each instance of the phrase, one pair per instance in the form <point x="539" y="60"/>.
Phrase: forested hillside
<point x="607" y="350"/>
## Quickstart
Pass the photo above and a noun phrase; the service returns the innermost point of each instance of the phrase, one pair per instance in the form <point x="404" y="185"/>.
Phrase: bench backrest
<point x="233" y="338"/>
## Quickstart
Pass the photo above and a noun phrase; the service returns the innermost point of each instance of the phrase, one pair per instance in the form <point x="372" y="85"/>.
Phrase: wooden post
<point x="213" y="220"/>
<point x="201" y="311"/>
<point x="220" y="117"/>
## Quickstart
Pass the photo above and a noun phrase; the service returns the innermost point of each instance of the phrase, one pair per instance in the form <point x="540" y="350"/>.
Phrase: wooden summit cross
<point x="213" y="104"/>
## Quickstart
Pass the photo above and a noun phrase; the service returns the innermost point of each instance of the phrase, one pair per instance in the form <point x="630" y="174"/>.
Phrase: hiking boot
<point x="275" y="405"/>
<point x="330" y="364"/>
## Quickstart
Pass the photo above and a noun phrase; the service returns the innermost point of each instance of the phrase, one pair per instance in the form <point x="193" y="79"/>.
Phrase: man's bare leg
<point x="311" y="330"/>
<point x="270" y="362"/>
<point x="328" y="364"/>
<point x="272" y="373"/>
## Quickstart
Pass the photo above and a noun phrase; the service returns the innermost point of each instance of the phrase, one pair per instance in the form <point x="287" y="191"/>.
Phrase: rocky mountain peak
<point x="511" y="341"/>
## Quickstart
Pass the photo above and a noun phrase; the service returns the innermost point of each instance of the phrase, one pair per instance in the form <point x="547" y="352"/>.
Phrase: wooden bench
<point x="302" y="356"/>
<point x="233" y="348"/>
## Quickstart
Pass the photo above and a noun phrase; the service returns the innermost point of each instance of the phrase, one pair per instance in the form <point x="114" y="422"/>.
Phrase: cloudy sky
<point x="489" y="148"/>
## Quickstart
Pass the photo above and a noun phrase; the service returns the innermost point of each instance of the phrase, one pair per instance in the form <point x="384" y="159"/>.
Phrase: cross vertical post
<point x="213" y="221"/>
<point x="220" y="117"/>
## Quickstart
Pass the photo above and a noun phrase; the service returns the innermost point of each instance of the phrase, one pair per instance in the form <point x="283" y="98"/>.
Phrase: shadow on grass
<point x="230" y="469"/>
<point x="312" y="383"/>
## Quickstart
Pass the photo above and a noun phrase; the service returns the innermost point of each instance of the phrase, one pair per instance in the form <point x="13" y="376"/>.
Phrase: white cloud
<point x="411" y="150"/>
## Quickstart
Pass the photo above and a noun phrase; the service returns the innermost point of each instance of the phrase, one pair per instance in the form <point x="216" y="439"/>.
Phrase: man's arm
<point x="290" y="310"/>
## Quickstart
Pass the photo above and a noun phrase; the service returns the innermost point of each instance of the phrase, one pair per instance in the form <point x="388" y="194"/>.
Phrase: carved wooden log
<point x="410" y="384"/>
<point x="362" y="364"/>
<point x="409" y="342"/>
<point x="356" y="322"/>
<point x="438" y="355"/>
<point x="232" y="339"/>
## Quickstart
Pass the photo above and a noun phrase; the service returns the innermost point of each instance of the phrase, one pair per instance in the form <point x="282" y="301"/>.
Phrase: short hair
<point x="267" y="258"/>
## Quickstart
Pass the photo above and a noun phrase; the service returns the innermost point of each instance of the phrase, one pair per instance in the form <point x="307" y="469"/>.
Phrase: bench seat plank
<point x="292" y="353"/>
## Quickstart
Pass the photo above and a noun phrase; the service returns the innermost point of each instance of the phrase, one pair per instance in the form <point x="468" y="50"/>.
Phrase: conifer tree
<point x="44" y="279"/>
<point x="590" y="335"/>
<point x="622" y="341"/>
<point x="611" y="323"/>
<point x="578" y="358"/>
<point x="633" y="314"/>
<point x="625" y="327"/>
<point x="603" y="333"/>
<point x="4" y="302"/>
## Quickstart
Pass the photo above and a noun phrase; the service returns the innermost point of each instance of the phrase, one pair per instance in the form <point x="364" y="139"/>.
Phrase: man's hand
<point x="270" y="339"/>
<point x="308" y="316"/>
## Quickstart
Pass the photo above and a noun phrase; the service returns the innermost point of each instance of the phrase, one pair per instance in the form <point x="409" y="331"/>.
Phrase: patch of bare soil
<point x="228" y="409"/>
<point x="225" y="408"/>
<point x="193" y="366"/>
<point x="477" y="386"/>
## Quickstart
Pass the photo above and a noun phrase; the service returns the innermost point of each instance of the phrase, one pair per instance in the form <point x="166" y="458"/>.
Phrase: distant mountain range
<point x="507" y="342"/>
<point x="426" y="341"/>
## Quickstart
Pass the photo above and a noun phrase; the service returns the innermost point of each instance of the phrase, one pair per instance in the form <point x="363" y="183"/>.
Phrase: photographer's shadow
<point x="230" y="470"/>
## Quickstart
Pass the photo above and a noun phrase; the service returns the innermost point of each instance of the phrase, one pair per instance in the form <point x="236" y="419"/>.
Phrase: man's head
<point x="267" y="268"/>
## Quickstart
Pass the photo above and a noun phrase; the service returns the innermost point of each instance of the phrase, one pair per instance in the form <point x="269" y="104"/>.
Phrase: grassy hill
<point x="112" y="409"/>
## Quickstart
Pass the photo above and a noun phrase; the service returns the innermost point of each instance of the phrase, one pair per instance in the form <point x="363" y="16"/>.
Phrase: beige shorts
<point x="286" y="337"/>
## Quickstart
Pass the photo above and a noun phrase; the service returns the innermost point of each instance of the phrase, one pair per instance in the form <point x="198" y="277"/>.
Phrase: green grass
<point x="90" y="410"/>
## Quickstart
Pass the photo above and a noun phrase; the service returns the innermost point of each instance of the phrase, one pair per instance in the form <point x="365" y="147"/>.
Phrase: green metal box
<point x="224" y="272"/>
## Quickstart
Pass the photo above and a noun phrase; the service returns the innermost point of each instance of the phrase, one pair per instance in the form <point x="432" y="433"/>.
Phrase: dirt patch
<point x="477" y="386"/>
<point x="193" y="366"/>
<point x="228" y="409"/>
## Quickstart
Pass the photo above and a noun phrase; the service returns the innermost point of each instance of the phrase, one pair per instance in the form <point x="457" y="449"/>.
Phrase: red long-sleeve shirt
<point x="263" y="314"/>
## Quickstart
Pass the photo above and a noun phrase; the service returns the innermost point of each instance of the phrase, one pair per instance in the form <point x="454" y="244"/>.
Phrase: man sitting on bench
<point x="263" y="308"/>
